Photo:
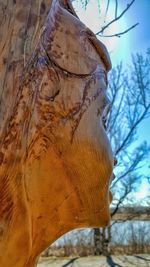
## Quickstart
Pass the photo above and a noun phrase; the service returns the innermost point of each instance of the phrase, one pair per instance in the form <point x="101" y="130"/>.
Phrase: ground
<point x="91" y="261"/>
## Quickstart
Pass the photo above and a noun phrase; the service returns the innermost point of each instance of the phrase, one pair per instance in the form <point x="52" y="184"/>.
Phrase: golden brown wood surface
<point x="55" y="158"/>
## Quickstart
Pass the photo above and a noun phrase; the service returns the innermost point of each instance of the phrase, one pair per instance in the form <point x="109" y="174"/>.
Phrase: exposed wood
<point x="56" y="160"/>
<point x="21" y="22"/>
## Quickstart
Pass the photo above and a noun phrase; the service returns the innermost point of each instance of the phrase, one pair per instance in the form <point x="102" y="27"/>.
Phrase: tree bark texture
<point x="102" y="238"/>
<point x="56" y="160"/>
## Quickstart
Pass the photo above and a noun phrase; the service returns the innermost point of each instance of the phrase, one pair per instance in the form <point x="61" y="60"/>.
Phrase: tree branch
<point x="132" y="129"/>
<point x="120" y="33"/>
<point x="115" y="19"/>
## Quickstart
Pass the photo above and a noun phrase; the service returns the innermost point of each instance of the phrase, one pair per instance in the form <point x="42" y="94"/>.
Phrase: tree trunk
<point x="97" y="242"/>
<point x="102" y="238"/>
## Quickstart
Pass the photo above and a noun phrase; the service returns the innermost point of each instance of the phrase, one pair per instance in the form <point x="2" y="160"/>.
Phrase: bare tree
<point x="129" y="91"/>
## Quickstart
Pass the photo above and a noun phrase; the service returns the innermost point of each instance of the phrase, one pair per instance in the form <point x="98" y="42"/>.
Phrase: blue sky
<point x="137" y="40"/>
<point x="140" y="38"/>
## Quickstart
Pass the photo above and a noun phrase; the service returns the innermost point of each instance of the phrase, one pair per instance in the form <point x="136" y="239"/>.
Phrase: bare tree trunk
<point x="97" y="242"/>
<point x="102" y="238"/>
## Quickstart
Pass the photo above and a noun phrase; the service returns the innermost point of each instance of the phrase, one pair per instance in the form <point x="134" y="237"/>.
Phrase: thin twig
<point x="107" y="7"/>
<point x="117" y="18"/>
<point x="120" y="33"/>
<point x="116" y="9"/>
<point x="132" y="129"/>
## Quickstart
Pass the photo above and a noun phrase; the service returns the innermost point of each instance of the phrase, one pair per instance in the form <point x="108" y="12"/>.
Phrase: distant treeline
<point x="130" y="237"/>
